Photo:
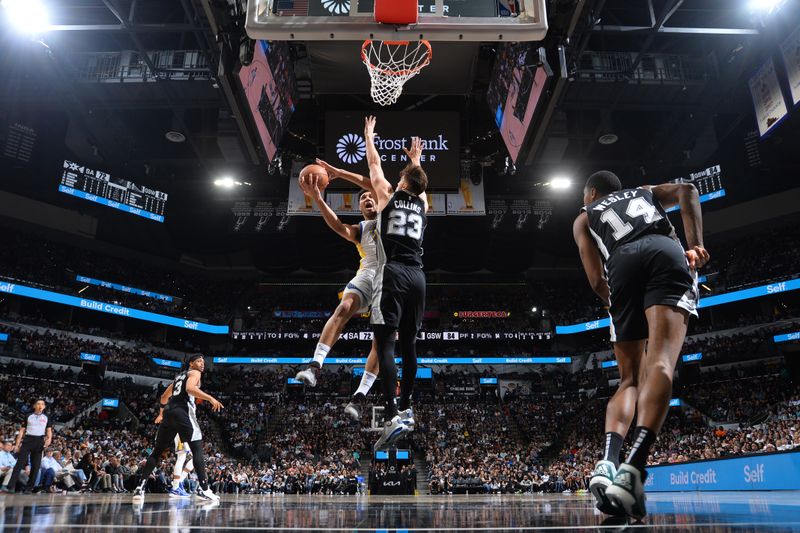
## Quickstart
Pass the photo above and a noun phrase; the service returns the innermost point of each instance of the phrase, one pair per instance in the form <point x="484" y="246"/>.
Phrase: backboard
<point x="439" y="20"/>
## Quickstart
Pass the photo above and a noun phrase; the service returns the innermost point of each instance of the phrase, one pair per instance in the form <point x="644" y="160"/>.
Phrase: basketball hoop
<point x="391" y="64"/>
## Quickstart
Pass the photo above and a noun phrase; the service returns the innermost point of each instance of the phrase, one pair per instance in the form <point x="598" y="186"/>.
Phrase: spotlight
<point x="534" y="309"/>
<point x="27" y="16"/>
<point x="766" y="6"/>
<point x="226" y="183"/>
<point x="229" y="183"/>
<point x="561" y="183"/>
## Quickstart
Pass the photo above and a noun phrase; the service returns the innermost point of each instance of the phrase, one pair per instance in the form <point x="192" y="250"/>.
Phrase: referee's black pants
<point x="31" y="447"/>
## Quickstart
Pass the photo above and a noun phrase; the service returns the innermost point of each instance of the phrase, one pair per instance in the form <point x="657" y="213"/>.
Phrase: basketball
<point x="319" y="172"/>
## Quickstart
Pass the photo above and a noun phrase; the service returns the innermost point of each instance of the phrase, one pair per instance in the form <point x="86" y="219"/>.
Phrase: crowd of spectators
<point x="30" y="258"/>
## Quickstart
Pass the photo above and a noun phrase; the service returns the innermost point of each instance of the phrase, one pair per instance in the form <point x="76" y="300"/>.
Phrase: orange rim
<point x="389" y="72"/>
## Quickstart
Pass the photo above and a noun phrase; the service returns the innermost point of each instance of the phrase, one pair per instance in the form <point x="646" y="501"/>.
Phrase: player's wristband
<point x="162" y="405"/>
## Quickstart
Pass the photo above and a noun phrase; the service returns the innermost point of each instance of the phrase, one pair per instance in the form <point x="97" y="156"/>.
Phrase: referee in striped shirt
<point x="32" y="439"/>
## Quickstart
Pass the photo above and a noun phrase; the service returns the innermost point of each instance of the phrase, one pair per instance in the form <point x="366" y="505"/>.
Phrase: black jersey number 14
<point x="638" y="207"/>
<point x="405" y="224"/>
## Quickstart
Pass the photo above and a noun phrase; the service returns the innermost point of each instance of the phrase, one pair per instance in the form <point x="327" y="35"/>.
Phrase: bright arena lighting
<point x="226" y="183"/>
<point x="229" y="183"/>
<point x="767" y="6"/>
<point x="561" y="183"/>
<point x="27" y="16"/>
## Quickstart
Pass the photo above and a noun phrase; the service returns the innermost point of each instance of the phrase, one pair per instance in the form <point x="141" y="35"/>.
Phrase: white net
<point x="392" y="63"/>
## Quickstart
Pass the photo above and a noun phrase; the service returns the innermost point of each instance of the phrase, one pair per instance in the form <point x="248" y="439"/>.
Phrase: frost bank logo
<point x="351" y="148"/>
<point x="336" y="7"/>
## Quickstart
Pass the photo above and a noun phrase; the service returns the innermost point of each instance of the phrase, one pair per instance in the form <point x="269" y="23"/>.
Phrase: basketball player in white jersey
<point x="181" y="470"/>
<point x="357" y="295"/>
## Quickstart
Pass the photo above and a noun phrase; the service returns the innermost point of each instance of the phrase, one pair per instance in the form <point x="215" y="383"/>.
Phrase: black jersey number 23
<point x="404" y="223"/>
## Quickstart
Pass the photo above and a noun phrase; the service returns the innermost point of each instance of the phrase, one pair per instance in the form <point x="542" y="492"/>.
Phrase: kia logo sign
<point x="351" y="148"/>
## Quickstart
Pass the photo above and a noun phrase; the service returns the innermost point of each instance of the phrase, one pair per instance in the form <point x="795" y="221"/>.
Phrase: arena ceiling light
<point x="26" y="16"/>
<point x="229" y="183"/>
<point x="561" y="183"/>
<point x="765" y="6"/>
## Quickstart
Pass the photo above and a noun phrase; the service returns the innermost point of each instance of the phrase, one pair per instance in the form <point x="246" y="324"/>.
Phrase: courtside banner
<point x="777" y="471"/>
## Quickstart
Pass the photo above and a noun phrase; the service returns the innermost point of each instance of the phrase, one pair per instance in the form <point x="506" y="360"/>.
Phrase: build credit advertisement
<point x="777" y="471"/>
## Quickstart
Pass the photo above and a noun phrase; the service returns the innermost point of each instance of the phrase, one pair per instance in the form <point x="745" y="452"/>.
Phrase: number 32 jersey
<point x="401" y="227"/>
<point x="626" y="216"/>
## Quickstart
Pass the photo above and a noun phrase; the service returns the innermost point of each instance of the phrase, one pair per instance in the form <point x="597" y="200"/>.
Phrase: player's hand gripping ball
<point x="312" y="175"/>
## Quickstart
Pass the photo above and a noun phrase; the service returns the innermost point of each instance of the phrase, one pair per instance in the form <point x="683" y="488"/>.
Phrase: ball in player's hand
<point x="312" y="172"/>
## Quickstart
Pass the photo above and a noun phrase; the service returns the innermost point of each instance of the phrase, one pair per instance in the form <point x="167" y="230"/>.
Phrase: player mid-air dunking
<point x="651" y="288"/>
<point x="178" y="416"/>
<point x="398" y="303"/>
<point x="357" y="296"/>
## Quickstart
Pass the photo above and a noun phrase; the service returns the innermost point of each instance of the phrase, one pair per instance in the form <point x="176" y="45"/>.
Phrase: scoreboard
<point x="102" y="188"/>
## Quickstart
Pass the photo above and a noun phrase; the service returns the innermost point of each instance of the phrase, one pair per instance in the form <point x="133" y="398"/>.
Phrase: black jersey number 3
<point x="637" y="207"/>
<point x="405" y="224"/>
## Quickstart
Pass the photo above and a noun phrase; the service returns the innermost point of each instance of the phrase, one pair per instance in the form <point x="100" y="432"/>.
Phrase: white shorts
<point x="361" y="285"/>
<point x="179" y="445"/>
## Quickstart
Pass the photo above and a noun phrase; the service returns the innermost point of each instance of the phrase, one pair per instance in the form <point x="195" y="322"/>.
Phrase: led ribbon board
<point x="686" y="359"/>
<point x="709" y="301"/>
<point x="422" y="373"/>
<point x="3" y="337"/>
<point x="103" y="307"/>
<point x="167" y="363"/>
<point x="123" y="288"/>
<point x="787" y="337"/>
<point x="704" y="198"/>
<point x="420" y="360"/>
<point x="91" y="357"/>
<point x="110" y="402"/>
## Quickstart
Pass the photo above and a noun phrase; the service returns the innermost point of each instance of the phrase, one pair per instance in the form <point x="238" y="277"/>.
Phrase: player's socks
<point x="320" y="353"/>
<point x="613" y="446"/>
<point x="366" y="383"/>
<point x="643" y="440"/>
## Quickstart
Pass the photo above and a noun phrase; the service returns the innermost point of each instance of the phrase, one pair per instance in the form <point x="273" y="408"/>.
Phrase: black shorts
<point x="398" y="297"/>
<point x="650" y="271"/>
<point x="181" y="422"/>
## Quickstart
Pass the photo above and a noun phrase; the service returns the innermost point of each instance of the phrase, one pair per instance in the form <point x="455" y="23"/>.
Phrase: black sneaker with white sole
<point x="627" y="491"/>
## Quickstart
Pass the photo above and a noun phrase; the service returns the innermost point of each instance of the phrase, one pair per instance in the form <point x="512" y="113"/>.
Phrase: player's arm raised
<point x="686" y="196"/>
<point x="590" y="257"/>
<point x="354" y="178"/>
<point x="381" y="188"/>
<point x="192" y="388"/>
<point x="346" y="231"/>
<point x="415" y="156"/>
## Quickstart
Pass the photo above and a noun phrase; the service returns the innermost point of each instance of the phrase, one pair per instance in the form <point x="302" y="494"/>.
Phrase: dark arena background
<point x="151" y="212"/>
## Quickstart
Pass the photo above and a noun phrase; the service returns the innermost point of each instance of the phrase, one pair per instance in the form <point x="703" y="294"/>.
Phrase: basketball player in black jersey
<point x="650" y="284"/>
<point x="178" y="416"/>
<point x="398" y="303"/>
